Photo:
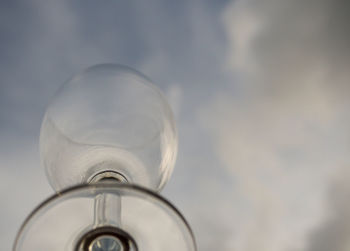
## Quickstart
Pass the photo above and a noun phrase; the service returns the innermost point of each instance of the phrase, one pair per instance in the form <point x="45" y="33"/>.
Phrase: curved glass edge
<point x="133" y="187"/>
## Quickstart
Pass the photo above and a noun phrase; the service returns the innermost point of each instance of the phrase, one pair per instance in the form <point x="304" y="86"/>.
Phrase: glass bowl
<point x="109" y="119"/>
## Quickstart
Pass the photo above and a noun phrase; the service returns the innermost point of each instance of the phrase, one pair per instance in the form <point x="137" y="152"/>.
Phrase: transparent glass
<point x="105" y="216"/>
<point x="108" y="119"/>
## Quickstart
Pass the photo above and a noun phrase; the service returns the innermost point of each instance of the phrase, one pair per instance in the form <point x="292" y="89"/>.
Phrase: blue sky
<point x="260" y="93"/>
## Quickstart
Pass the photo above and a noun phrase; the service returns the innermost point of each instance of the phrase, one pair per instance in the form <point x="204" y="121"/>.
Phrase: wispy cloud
<point x="283" y="138"/>
<point x="260" y="91"/>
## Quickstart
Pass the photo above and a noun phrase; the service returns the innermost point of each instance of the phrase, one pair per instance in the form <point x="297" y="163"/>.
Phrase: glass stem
<point x="107" y="210"/>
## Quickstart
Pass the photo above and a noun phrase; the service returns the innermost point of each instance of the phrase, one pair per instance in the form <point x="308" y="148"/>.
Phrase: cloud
<point x="259" y="88"/>
<point x="284" y="136"/>
<point x="334" y="233"/>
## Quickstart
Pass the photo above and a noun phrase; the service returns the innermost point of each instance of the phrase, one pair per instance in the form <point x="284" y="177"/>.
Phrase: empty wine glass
<point x="108" y="143"/>
<point x="108" y="121"/>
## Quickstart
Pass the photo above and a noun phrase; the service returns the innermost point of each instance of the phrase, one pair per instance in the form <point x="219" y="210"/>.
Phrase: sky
<point x="259" y="89"/>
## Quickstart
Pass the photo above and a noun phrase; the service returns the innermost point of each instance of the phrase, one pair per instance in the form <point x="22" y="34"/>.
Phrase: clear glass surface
<point x="108" y="118"/>
<point x="65" y="221"/>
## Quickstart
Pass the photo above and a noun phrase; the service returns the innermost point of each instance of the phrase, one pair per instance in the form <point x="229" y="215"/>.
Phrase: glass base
<point x="105" y="216"/>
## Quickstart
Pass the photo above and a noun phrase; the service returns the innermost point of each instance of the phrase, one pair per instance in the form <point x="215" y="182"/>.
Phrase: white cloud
<point x="283" y="138"/>
<point x="280" y="128"/>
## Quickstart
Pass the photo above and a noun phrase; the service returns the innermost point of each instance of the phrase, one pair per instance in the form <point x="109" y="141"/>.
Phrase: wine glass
<point x="108" y="144"/>
<point x="108" y="121"/>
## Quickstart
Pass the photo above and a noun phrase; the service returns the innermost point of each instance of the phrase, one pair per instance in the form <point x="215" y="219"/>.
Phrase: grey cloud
<point x="253" y="84"/>
<point x="286" y="134"/>
<point x="334" y="233"/>
<point x="294" y="38"/>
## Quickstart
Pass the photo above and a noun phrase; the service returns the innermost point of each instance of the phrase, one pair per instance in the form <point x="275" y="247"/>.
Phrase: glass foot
<point x="105" y="216"/>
